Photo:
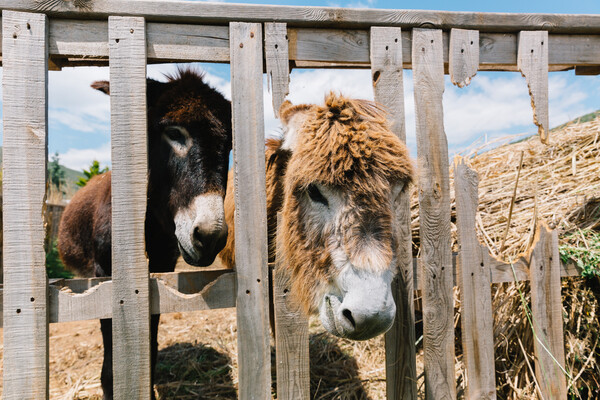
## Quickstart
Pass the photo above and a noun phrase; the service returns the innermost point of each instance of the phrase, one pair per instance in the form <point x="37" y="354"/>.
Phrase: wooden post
<point x="546" y="310"/>
<point x="401" y="368"/>
<point x="475" y="289"/>
<point x="25" y="85"/>
<point x="130" y="298"/>
<point x="291" y="325"/>
<point x="434" y="204"/>
<point x="463" y="56"/>
<point x="254" y="352"/>
<point x="278" y="62"/>
<point x="532" y="61"/>
<point x="291" y="338"/>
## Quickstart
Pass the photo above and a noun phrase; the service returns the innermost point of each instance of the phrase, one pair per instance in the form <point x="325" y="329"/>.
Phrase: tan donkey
<point x="335" y="176"/>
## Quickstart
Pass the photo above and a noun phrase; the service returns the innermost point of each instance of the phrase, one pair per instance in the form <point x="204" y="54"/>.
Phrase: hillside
<point x="71" y="175"/>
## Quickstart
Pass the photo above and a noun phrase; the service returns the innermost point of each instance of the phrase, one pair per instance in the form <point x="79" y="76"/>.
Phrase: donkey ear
<point x="292" y="118"/>
<point x="103" y="86"/>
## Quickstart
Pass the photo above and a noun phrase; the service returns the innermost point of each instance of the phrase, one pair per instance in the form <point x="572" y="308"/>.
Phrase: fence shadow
<point x="187" y="371"/>
<point x="333" y="372"/>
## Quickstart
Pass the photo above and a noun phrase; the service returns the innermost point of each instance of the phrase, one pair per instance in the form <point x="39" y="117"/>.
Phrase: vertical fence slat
<point x="25" y="88"/>
<point x="546" y="309"/>
<point x="475" y="289"/>
<point x="386" y="71"/>
<point x="278" y="62"/>
<point x="463" y="56"/>
<point x="131" y="305"/>
<point x="434" y="206"/>
<point x="532" y="61"/>
<point x="291" y="339"/>
<point x="291" y="325"/>
<point x="254" y="355"/>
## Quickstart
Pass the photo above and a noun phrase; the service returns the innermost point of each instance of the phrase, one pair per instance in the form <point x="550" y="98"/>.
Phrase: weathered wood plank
<point x="434" y="206"/>
<point x="291" y="338"/>
<point x="251" y="211"/>
<point x="188" y="42"/>
<point x="546" y="310"/>
<point x="497" y="51"/>
<point x="463" y="56"/>
<point x="196" y="281"/>
<point x="83" y="42"/>
<point x="214" y="13"/>
<point x="131" y="290"/>
<point x="475" y="289"/>
<point x="174" y="42"/>
<point x="25" y="114"/>
<point x="68" y="301"/>
<point x="532" y="61"/>
<point x="277" y="62"/>
<point x="218" y="294"/>
<point x="386" y="72"/>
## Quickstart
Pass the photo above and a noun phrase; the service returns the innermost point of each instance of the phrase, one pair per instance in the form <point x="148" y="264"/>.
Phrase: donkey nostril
<point x="348" y="314"/>
<point x="198" y="236"/>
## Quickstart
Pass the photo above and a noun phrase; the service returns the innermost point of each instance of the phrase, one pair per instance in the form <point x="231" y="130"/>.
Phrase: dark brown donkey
<point x="189" y="139"/>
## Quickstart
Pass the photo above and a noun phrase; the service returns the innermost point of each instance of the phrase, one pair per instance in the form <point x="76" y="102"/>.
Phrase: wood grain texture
<point x="83" y="42"/>
<point x="532" y="61"/>
<point x="214" y="13"/>
<point x="83" y="299"/>
<point x="475" y="289"/>
<point x="173" y="42"/>
<point x="254" y="352"/>
<point x="25" y="118"/>
<point x="434" y="205"/>
<point x="131" y="290"/>
<point x="463" y="56"/>
<point x="278" y="63"/>
<point x="291" y="338"/>
<point x="213" y="296"/>
<point x="546" y="310"/>
<point x="387" y="76"/>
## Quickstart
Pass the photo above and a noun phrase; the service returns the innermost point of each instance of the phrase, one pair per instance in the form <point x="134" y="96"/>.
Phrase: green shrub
<point x="54" y="266"/>
<point x="586" y="253"/>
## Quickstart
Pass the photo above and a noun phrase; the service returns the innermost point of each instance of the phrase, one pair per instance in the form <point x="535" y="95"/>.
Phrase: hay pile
<point x="558" y="183"/>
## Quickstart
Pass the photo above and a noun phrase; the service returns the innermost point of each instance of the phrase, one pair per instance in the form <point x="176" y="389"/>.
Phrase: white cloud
<point x="80" y="159"/>
<point x="493" y="105"/>
<point x="69" y="92"/>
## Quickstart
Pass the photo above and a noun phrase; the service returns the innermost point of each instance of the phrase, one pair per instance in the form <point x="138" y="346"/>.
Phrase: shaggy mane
<point x="184" y="73"/>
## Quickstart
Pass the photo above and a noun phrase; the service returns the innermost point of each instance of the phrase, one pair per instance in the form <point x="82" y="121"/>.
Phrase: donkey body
<point x="189" y="140"/>
<point x="335" y="177"/>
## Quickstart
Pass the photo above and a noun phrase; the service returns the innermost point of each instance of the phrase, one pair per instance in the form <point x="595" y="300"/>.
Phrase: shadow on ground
<point x="333" y="371"/>
<point x="187" y="371"/>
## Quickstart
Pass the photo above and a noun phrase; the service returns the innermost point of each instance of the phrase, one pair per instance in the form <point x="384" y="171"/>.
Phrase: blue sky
<point x="496" y="104"/>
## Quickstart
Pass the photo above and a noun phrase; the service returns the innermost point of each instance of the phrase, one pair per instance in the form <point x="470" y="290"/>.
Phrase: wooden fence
<point x="126" y="35"/>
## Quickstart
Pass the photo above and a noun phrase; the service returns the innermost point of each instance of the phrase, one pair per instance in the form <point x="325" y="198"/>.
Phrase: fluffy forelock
<point x="346" y="141"/>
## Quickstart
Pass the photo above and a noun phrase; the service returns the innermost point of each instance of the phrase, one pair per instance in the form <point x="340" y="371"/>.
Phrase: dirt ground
<point x="198" y="360"/>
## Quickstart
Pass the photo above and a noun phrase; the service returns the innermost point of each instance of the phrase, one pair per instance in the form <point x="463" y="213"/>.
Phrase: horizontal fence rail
<point x="218" y="13"/>
<point x="81" y="42"/>
<point x="76" y="299"/>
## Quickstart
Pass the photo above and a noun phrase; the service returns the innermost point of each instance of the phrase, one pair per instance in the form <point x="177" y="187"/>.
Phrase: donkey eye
<point x="175" y="135"/>
<point x="315" y="195"/>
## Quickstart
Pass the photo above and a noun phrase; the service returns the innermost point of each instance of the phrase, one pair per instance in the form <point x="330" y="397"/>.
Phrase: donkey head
<point x="344" y="175"/>
<point x="189" y="140"/>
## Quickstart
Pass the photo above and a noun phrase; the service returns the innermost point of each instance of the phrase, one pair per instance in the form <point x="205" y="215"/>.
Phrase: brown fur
<point x="76" y="243"/>
<point x="174" y="181"/>
<point x="346" y="145"/>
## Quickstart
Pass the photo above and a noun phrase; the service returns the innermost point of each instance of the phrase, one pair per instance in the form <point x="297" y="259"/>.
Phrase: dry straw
<point x="520" y="184"/>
